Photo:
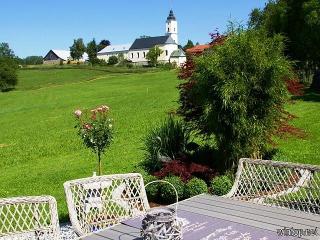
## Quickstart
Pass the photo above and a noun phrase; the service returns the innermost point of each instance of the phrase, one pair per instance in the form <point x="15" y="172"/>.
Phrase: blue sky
<point x="33" y="27"/>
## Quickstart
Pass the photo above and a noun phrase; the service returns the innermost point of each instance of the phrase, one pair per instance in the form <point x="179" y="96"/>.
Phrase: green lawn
<point x="307" y="111"/>
<point x="39" y="148"/>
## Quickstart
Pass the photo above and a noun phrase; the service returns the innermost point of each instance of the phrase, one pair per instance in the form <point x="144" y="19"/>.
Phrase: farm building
<point x="114" y="50"/>
<point x="56" y="56"/>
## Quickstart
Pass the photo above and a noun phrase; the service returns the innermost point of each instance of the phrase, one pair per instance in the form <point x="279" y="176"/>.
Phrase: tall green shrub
<point x="238" y="89"/>
<point x="8" y="73"/>
<point x="169" y="140"/>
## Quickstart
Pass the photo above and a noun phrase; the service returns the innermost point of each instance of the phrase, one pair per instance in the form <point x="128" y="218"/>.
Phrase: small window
<point x="174" y="29"/>
<point x="131" y="55"/>
<point x="168" y="30"/>
<point x="144" y="54"/>
<point x="167" y="53"/>
<point x="138" y="55"/>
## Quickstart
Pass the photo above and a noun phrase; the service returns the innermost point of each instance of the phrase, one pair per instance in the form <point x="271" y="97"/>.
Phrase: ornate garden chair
<point x="99" y="202"/>
<point x="29" y="218"/>
<point x="280" y="184"/>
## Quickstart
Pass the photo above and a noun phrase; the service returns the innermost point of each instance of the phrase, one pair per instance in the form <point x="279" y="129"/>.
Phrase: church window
<point x="166" y="52"/>
<point x="131" y="55"/>
<point x="138" y="55"/>
<point x="144" y="54"/>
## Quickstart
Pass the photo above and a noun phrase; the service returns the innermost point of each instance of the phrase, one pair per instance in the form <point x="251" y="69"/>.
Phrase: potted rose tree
<point x="95" y="129"/>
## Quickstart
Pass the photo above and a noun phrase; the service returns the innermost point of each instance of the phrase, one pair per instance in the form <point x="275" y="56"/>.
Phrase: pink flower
<point x="87" y="126"/>
<point x="78" y="113"/>
<point x="105" y="107"/>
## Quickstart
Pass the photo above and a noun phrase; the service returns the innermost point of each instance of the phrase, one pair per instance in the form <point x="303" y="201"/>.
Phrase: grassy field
<point x="39" y="148"/>
<point x="307" y="111"/>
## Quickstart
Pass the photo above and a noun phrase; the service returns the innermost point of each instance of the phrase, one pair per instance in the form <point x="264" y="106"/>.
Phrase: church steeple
<point x="172" y="26"/>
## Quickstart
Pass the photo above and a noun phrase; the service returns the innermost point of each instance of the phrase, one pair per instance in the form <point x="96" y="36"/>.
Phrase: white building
<point x="114" y="50"/>
<point x="137" y="52"/>
<point x="168" y="43"/>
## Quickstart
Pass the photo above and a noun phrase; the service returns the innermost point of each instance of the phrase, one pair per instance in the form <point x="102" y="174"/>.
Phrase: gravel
<point x="66" y="232"/>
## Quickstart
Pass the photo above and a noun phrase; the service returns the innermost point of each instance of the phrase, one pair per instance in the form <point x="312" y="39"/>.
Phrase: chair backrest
<point x="29" y="218"/>
<point x="99" y="202"/>
<point x="281" y="184"/>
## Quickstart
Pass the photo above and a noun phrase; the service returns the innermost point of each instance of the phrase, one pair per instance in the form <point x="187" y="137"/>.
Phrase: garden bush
<point x="195" y="187"/>
<point x="236" y="91"/>
<point x="221" y="185"/>
<point x="113" y="60"/>
<point x="152" y="190"/>
<point x="185" y="170"/>
<point x="167" y="141"/>
<point x="167" y="193"/>
<point x="8" y="73"/>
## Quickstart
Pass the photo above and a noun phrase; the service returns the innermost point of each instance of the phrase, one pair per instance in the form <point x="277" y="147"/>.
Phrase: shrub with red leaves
<point x="295" y="87"/>
<point x="186" y="170"/>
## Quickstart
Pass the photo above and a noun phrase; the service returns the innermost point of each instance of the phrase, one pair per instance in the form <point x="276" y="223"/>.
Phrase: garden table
<point x="210" y="217"/>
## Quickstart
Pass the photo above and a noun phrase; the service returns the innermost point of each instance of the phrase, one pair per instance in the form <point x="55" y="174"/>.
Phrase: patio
<point x="269" y="200"/>
<point x="210" y="217"/>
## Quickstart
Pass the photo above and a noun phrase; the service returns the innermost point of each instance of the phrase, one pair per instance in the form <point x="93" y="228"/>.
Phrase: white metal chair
<point x="29" y="218"/>
<point x="99" y="202"/>
<point x="280" y="184"/>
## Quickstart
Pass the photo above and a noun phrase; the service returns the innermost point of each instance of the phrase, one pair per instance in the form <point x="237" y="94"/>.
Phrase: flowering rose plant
<point x="95" y="128"/>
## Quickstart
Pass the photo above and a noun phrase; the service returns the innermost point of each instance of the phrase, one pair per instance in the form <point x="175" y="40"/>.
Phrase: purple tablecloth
<point x="196" y="226"/>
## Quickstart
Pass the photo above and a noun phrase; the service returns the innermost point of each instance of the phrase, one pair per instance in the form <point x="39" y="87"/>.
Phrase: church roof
<point x="149" y="42"/>
<point x="115" y="48"/>
<point x="171" y="16"/>
<point x="178" y="53"/>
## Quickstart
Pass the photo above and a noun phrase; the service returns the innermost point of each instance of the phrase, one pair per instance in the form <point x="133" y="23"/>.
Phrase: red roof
<point x="198" y="49"/>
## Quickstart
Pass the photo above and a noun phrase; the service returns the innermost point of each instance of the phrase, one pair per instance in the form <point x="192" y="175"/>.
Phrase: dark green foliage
<point x="299" y="22"/>
<point x="92" y="50"/>
<point x="167" y="193"/>
<point x="103" y="43"/>
<point x="5" y="51"/>
<point x="169" y="139"/>
<point x="238" y="91"/>
<point x="33" y="60"/>
<point x="8" y="73"/>
<point x="316" y="82"/>
<point x="153" y="54"/>
<point x="113" y="60"/>
<point x="77" y="49"/>
<point x="188" y="45"/>
<point x="195" y="187"/>
<point x="152" y="189"/>
<point x="221" y="185"/>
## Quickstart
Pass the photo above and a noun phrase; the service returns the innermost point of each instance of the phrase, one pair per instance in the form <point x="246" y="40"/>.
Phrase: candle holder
<point x="162" y="223"/>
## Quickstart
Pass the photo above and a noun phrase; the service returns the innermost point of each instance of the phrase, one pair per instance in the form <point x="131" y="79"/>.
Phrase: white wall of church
<point x="139" y="56"/>
<point x="106" y="56"/>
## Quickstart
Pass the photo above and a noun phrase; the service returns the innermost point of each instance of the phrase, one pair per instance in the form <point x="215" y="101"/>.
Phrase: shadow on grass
<point x="309" y="96"/>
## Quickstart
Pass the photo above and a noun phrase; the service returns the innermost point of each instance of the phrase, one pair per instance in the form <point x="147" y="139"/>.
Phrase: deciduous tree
<point x="77" y="49"/>
<point x="92" y="50"/>
<point x="153" y="54"/>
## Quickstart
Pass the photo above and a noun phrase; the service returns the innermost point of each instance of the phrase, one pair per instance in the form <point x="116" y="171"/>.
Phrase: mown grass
<point x="39" y="148"/>
<point x="305" y="150"/>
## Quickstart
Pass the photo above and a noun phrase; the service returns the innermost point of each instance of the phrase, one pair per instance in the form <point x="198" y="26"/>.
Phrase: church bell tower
<point x="172" y="27"/>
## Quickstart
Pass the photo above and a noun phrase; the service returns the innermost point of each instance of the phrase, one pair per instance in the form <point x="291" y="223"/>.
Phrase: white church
<point x="137" y="51"/>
